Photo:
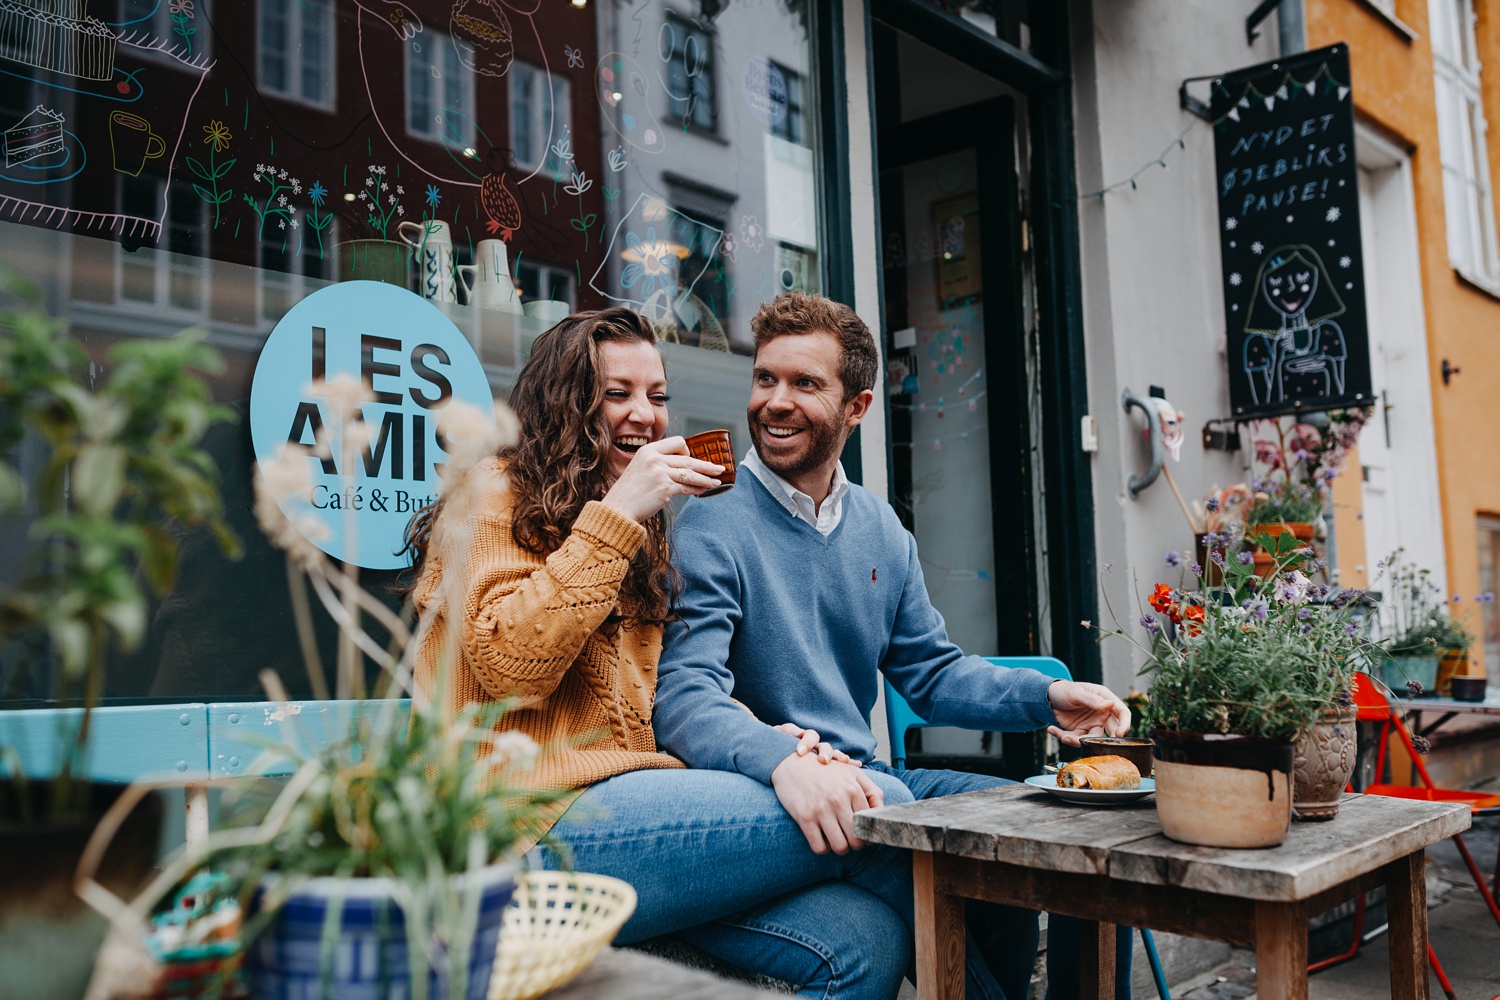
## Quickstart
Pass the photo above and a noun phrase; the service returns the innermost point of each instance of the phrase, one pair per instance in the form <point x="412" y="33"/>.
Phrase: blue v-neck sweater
<point x="797" y="627"/>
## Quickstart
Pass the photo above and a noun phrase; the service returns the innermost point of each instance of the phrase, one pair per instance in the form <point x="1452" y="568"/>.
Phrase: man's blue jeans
<point x="716" y="861"/>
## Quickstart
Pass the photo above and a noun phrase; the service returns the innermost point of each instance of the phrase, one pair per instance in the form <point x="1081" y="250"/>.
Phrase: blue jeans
<point x="716" y="861"/>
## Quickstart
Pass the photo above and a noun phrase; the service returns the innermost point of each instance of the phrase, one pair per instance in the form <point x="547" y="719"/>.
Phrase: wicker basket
<point x="554" y="927"/>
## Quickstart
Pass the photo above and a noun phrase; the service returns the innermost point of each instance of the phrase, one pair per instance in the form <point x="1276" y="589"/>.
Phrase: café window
<point x="166" y="30"/>
<point x="1489" y="583"/>
<point x="541" y="120"/>
<point x="615" y="154"/>
<point x="440" y="90"/>
<point x="1468" y="194"/>
<point x="295" y="44"/>
<point x="688" y="51"/>
<point x="172" y="276"/>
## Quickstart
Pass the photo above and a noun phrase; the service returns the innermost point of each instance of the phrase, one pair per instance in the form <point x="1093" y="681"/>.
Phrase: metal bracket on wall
<point x="1259" y="14"/>
<point x="1196" y="105"/>
<point x="1136" y="484"/>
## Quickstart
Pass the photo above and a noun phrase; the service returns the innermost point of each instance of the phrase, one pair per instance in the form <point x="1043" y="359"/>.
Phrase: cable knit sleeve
<point x="526" y="620"/>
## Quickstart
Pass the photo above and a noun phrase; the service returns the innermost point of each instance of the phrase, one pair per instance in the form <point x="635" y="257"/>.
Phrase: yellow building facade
<point x="1426" y="77"/>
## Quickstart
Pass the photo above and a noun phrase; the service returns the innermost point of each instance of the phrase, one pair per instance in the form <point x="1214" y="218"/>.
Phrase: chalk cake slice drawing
<point x="482" y="37"/>
<point x="37" y="136"/>
<point x="58" y="36"/>
<point x="1290" y="335"/>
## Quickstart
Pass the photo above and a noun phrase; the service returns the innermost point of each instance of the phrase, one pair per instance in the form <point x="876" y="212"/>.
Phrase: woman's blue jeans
<point x="716" y="860"/>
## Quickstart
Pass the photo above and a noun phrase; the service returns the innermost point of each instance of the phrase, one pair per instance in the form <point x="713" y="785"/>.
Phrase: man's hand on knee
<point x="823" y="798"/>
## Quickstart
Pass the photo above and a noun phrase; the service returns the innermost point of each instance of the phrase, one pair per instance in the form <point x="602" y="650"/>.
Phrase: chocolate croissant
<point x="1108" y="772"/>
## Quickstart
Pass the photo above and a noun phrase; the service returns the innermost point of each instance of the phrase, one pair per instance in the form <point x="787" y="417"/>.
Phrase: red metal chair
<point x="1375" y="705"/>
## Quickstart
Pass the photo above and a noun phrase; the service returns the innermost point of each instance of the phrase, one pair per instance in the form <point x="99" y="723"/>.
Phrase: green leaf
<point x="12" y="487"/>
<point x="197" y="168"/>
<point x="205" y="194"/>
<point x="224" y="167"/>
<point x="159" y="558"/>
<point x="99" y="477"/>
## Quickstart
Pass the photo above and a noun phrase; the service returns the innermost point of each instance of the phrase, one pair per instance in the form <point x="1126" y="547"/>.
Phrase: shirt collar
<point x="788" y="495"/>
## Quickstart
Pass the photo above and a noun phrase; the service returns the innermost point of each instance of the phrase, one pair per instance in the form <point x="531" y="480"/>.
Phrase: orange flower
<point x="1194" y="613"/>
<point x="1161" y="597"/>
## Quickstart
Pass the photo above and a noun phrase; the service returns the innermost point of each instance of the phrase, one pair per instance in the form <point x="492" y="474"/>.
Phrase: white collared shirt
<point x="799" y="504"/>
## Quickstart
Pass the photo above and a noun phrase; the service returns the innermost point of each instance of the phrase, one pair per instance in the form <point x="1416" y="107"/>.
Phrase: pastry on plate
<point x="1101" y="773"/>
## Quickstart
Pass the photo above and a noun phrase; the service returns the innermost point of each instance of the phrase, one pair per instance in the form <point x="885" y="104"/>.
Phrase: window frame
<point x="1488" y="530"/>
<point x="162" y="259"/>
<point x="709" y="69"/>
<point x="298" y="283"/>
<point x="431" y="43"/>
<point x="296" y="14"/>
<point x="547" y="161"/>
<point x="1468" y="187"/>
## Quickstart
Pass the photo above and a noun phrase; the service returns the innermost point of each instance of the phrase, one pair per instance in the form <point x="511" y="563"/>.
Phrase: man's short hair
<point x="798" y="312"/>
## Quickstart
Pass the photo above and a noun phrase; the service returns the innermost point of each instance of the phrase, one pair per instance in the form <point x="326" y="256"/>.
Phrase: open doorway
<point x="963" y="446"/>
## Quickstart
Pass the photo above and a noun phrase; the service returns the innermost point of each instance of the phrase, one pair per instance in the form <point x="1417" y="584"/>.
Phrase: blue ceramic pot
<point x="369" y="959"/>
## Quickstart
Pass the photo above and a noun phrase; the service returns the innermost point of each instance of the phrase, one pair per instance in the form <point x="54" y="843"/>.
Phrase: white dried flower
<point x="514" y="750"/>
<point x="287" y="476"/>
<point x="471" y="435"/>
<point x="345" y="395"/>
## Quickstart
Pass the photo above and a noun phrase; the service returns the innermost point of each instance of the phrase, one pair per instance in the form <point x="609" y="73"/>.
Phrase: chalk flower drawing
<point x="563" y="148"/>
<point x="379" y="217"/>
<point x="579" y="184"/>
<point x="1231" y="223"/>
<point x="216" y="137"/>
<point x="1235" y="279"/>
<point x="617" y="160"/>
<point x="752" y="233"/>
<point x="317" y="219"/>
<point x="1345" y="261"/>
<point x="651" y="263"/>
<point x="1257" y="247"/>
<point x="433" y="197"/>
<point x="1332" y="215"/>
<point x="181" y="12"/>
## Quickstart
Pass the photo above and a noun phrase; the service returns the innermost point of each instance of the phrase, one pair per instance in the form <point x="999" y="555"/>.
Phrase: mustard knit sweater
<point x="535" y="629"/>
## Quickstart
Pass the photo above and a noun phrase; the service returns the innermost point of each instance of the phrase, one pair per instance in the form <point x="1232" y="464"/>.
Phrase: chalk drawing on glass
<point x="646" y="249"/>
<point x="397" y="16"/>
<point x="133" y="142"/>
<point x="58" y="36"/>
<point x="626" y="97"/>
<point x="502" y="211"/>
<point x="36" y="138"/>
<point x="482" y="24"/>
<point x="1291" y="339"/>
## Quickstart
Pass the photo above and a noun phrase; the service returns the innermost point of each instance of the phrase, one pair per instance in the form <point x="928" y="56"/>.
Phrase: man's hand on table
<point x="1084" y="709"/>
<point x="823" y="797"/>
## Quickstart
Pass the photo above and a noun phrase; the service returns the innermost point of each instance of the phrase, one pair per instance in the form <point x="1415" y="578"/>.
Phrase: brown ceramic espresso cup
<point x="1137" y="751"/>
<point x="714" y="446"/>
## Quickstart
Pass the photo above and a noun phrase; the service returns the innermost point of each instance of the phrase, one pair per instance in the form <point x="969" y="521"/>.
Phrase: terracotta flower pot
<point x="1325" y="758"/>
<point x="1455" y="663"/>
<point x="1223" y="791"/>
<point x="1265" y="563"/>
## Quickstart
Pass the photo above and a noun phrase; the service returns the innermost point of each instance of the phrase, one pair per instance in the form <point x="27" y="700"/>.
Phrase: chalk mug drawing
<point x="549" y="311"/>
<point x="433" y="242"/>
<point x="133" y="142"/>
<point x="487" y="281"/>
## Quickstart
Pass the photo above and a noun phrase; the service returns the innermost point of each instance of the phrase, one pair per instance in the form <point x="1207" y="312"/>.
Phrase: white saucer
<point x="1093" y="796"/>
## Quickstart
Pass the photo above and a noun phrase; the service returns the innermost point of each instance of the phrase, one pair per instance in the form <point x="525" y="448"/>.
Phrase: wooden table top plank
<point x="1022" y="825"/>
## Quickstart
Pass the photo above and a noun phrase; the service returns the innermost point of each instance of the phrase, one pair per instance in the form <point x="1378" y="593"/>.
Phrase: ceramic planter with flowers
<point x="1426" y="644"/>
<point x="1237" y="673"/>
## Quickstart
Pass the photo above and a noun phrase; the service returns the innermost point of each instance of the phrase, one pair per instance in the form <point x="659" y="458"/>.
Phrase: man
<point x="800" y="589"/>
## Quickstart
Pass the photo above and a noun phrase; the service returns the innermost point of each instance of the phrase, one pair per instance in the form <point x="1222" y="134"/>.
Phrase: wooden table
<point x="1019" y="845"/>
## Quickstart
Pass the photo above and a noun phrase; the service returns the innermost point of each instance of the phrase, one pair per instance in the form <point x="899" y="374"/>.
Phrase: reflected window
<point x="789" y="126"/>
<point x="541" y="120"/>
<point x="546" y="281"/>
<point x="1467" y="193"/>
<point x="1489" y="583"/>
<point x="296" y="50"/>
<point x="440" y="90"/>
<point x="167" y="30"/>
<point x="688" y="51"/>
<point x="172" y="276"/>
<point x="290" y="268"/>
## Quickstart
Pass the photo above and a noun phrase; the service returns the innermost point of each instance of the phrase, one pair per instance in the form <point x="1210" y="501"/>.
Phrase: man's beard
<point x="824" y="441"/>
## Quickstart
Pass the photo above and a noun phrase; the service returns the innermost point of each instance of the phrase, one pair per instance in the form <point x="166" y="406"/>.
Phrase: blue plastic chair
<point x="900" y="718"/>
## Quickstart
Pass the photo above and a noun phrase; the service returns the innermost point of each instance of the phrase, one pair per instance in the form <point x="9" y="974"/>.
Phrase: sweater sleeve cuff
<point x="608" y="526"/>
<point x="760" y="755"/>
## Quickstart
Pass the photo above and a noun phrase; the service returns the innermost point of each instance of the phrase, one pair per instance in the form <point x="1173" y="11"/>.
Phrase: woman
<point x="565" y="581"/>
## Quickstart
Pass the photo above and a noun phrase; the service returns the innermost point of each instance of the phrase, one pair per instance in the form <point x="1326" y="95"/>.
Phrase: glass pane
<point x="693" y="229"/>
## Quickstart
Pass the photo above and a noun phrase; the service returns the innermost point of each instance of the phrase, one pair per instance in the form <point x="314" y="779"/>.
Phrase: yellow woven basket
<point x="554" y="927"/>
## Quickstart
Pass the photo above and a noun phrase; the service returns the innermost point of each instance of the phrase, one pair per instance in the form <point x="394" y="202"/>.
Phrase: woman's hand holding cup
<point x="658" y="472"/>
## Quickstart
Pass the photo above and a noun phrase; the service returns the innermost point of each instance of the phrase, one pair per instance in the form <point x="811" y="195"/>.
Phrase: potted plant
<point x="120" y="476"/>
<point x="1425" y="644"/>
<point x="1237" y="675"/>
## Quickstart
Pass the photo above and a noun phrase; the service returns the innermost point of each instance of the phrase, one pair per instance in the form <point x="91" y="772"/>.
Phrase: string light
<point x="1160" y="160"/>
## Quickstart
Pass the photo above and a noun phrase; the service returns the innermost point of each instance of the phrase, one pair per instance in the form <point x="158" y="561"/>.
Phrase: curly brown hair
<point x="799" y="312"/>
<point x="560" y="459"/>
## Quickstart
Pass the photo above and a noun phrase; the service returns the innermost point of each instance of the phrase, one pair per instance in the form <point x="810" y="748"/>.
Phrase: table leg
<point x="1097" y="976"/>
<point x="940" y="934"/>
<point x="1406" y="908"/>
<point x="1281" y="951"/>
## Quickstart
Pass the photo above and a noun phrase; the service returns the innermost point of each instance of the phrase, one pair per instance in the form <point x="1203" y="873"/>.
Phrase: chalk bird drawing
<point x="1291" y="340"/>
<point x="500" y="206"/>
<point x="401" y="18"/>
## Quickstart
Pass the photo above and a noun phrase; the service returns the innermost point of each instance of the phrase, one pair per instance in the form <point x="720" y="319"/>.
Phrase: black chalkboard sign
<point x="1294" y="290"/>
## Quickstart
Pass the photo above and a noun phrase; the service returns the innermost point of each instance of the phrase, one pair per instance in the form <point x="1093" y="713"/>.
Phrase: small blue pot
<point x="370" y="959"/>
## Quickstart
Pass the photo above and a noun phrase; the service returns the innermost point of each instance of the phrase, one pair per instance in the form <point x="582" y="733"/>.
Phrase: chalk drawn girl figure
<point x="1292" y="345"/>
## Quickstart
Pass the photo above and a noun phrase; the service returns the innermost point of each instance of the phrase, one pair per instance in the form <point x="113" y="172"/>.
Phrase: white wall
<point x="1153" y="309"/>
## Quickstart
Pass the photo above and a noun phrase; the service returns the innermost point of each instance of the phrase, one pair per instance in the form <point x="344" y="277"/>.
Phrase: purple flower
<point x="1300" y="455"/>
<point x="1214" y="540"/>
<point x="1351" y="629"/>
<point x="1174" y="558"/>
<point x="1195" y="568"/>
<point x="1217" y="555"/>
<point x="1150" y="624"/>
<point x="1246" y="558"/>
<point x="1255" y="609"/>
<point x="1345" y="698"/>
<point x="1304" y="613"/>
<point x="1485" y="597"/>
<point x="1319" y="592"/>
<point x="1415" y="687"/>
<point x="1211" y="505"/>
<point x="1306" y="629"/>
<point x="1344" y="598"/>
<point x="1286" y="592"/>
<point x="1421" y="744"/>
<point x="1457" y="598"/>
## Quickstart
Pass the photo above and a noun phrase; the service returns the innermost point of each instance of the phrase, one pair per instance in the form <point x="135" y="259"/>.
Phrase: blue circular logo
<point x="414" y="360"/>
